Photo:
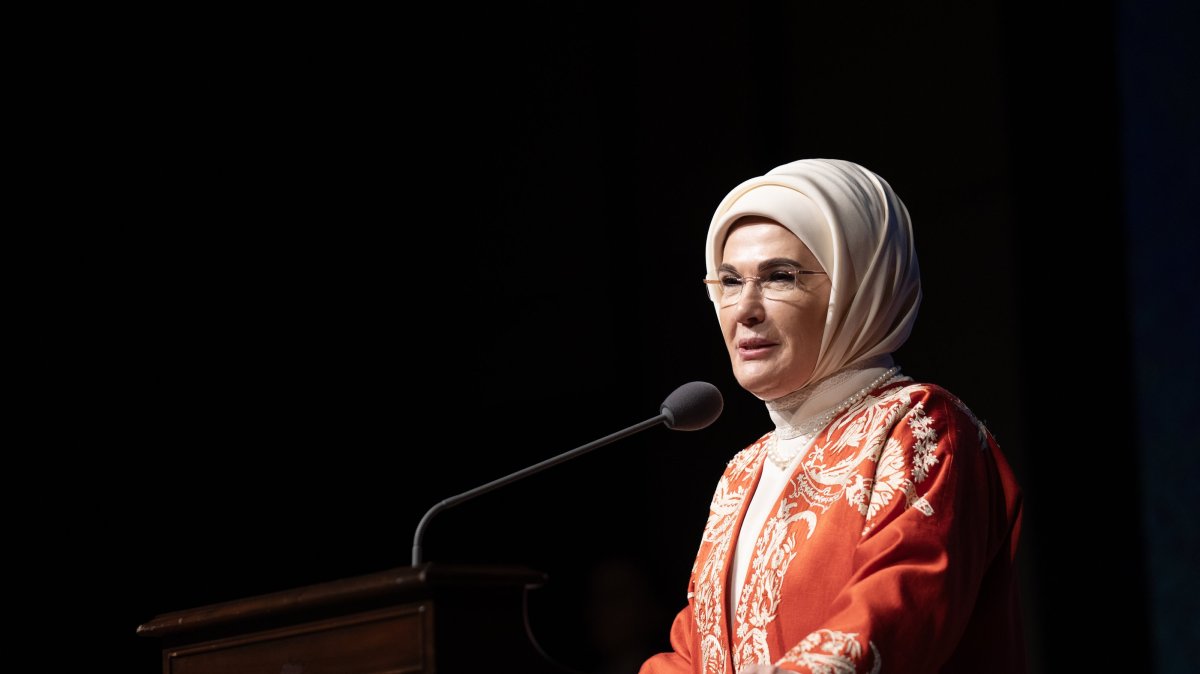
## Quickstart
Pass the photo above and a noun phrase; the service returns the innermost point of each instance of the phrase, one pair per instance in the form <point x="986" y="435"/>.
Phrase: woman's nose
<point x="749" y="307"/>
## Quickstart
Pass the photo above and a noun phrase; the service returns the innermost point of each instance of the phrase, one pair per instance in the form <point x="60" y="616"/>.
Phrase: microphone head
<point x="692" y="406"/>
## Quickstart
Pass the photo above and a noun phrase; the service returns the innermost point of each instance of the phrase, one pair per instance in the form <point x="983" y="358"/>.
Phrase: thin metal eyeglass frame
<point x="757" y="279"/>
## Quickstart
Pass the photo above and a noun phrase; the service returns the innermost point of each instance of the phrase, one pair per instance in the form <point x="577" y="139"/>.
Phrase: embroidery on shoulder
<point x="924" y="456"/>
<point x="892" y="475"/>
<point x="980" y="428"/>
<point x="869" y="495"/>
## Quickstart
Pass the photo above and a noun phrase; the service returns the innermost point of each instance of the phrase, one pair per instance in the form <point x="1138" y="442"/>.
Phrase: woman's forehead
<point x="762" y="242"/>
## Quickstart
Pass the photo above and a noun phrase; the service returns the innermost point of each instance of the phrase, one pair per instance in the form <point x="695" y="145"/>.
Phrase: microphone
<point x="690" y="407"/>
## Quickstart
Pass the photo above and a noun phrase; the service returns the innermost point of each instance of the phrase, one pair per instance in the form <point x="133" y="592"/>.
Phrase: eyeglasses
<point x="780" y="282"/>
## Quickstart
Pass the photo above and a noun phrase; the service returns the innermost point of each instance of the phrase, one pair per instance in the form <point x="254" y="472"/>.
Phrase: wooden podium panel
<point x="425" y="619"/>
<point x="318" y="647"/>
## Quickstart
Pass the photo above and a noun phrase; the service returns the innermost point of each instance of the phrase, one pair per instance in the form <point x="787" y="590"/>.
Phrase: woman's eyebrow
<point x="765" y="264"/>
<point x="776" y="261"/>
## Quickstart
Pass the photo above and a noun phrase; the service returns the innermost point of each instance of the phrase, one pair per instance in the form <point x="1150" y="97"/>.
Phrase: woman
<point x="874" y="528"/>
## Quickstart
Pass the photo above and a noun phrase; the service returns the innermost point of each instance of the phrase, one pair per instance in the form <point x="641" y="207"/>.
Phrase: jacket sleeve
<point x="679" y="660"/>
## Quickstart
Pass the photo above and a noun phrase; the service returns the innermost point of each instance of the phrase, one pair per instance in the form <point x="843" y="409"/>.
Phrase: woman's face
<point x="773" y="343"/>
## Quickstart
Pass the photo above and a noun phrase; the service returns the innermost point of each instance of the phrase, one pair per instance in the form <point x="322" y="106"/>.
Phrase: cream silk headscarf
<point x="859" y="231"/>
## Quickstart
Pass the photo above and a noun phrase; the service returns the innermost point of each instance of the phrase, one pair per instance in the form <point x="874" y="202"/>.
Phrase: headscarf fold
<point x="859" y="230"/>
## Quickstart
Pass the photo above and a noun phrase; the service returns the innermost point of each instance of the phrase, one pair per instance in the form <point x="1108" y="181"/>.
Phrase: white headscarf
<point x="862" y="238"/>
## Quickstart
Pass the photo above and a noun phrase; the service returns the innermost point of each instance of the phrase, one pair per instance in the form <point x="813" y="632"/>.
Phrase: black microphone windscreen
<point x="692" y="406"/>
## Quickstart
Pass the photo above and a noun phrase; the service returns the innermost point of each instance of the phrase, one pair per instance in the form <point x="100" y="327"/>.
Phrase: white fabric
<point x="864" y="242"/>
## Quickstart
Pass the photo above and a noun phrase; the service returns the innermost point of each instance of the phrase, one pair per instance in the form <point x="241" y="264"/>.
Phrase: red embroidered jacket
<point x="891" y="549"/>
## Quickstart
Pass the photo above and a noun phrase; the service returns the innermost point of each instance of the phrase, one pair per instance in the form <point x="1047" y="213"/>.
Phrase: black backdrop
<point x="390" y="258"/>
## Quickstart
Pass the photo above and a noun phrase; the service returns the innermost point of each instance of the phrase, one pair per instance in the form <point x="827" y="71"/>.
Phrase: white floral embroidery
<point x="712" y="654"/>
<point x="892" y="475"/>
<point x="890" y="478"/>
<point x="744" y="463"/>
<point x="709" y="613"/>
<point x="759" y="603"/>
<point x="722" y="510"/>
<point x="922" y="505"/>
<point x="833" y="652"/>
<point x="924" y="456"/>
<point x="708" y="581"/>
<point x="858" y="493"/>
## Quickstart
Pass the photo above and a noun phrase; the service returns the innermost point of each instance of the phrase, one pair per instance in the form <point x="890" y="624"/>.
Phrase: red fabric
<point x="891" y="549"/>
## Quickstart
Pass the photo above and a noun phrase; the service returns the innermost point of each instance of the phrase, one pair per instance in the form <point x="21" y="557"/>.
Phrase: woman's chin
<point x="762" y="388"/>
<point x="765" y="384"/>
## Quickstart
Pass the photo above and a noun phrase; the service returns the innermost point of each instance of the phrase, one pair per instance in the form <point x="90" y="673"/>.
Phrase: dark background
<point x="365" y="262"/>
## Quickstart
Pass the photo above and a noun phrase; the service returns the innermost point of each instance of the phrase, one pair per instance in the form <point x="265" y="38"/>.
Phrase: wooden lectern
<point x="428" y="618"/>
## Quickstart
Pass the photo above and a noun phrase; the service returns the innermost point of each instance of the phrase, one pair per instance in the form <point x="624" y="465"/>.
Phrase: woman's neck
<point x="794" y="412"/>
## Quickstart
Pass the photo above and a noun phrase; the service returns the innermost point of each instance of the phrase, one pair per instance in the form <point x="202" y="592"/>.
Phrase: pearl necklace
<point x="807" y="430"/>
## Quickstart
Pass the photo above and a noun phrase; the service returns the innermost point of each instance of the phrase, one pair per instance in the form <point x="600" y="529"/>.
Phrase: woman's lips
<point x="751" y="349"/>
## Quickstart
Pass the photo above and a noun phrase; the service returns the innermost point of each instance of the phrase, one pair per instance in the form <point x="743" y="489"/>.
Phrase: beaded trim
<point x="808" y="429"/>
